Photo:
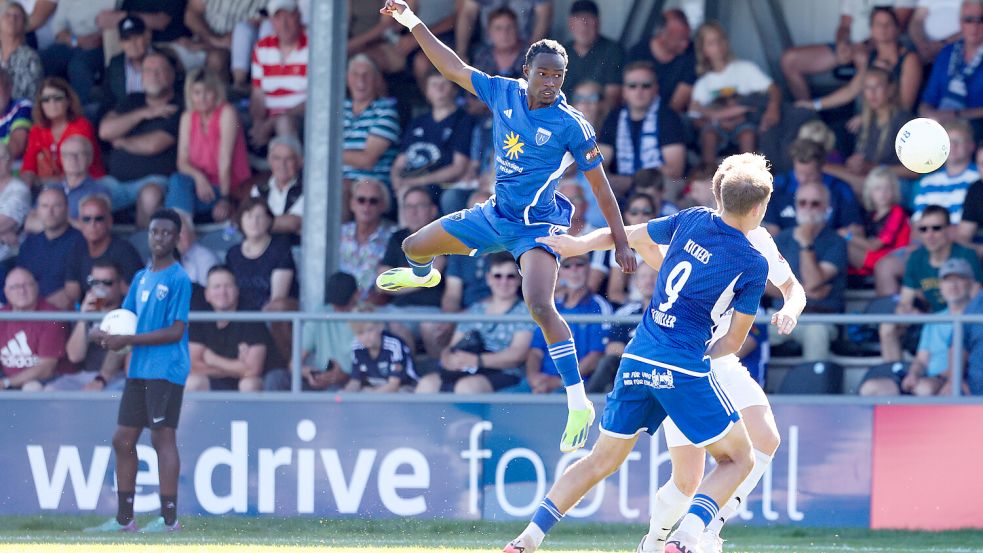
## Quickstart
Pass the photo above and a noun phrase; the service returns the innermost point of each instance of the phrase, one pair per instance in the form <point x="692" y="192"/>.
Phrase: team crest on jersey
<point x="542" y="136"/>
<point x="513" y="145"/>
<point x="162" y="291"/>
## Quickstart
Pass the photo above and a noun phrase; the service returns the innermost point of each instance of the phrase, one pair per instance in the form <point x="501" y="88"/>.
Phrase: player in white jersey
<point x="747" y="396"/>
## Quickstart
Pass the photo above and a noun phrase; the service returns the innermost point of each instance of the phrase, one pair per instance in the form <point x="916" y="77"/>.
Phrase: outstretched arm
<point x="443" y="58"/>
<point x="609" y="207"/>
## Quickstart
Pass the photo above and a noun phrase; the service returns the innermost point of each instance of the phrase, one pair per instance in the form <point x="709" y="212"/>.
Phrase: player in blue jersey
<point x="709" y="269"/>
<point x="161" y="297"/>
<point x="539" y="136"/>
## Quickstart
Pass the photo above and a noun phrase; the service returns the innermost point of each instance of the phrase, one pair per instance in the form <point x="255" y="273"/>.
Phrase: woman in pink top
<point x="211" y="150"/>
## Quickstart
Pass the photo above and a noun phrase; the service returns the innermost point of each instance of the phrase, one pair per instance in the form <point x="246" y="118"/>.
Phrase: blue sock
<point x="546" y="515"/>
<point x="704" y="507"/>
<point x="420" y="269"/>
<point x="564" y="356"/>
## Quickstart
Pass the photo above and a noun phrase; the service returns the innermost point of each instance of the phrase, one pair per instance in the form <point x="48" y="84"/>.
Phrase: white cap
<point x="274" y="6"/>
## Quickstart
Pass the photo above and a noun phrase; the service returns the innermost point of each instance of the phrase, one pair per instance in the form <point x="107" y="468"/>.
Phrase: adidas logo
<point x="508" y="113"/>
<point x="17" y="354"/>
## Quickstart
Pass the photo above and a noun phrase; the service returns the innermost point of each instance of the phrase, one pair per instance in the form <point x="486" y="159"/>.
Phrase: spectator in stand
<point x="504" y="55"/>
<point x="878" y="123"/>
<point x="644" y="133"/>
<point x="15" y="198"/>
<point x="920" y="285"/>
<point x="15" y="117"/>
<point x="542" y="377"/>
<point x="279" y="72"/>
<point x="886" y="228"/>
<point x="124" y="74"/>
<point x="381" y="362"/>
<point x="817" y="256"/>
<point x="808" y="159"/>
<point x="534" y="18"/>
<point x="262" y="264"/>
<point x="20" y="60"/>
<point x="486" y="357"/>
<point x="671" y="52"/>
<point x="76" y="153"/>
<point x="77" y="51"/>
<point x="379" y="37"/>
<point x="735" y="100"/>
<point x="574" y="192"/>
<point x="639" y="209"/>
<point x="948" y="186"/>
<point x="417" y="210"/>
<point x="211" y="151"/>
<point x="371" y="128"/>
<point x="884" y="51"/>
<point x="435" y="151"/>
<point x="101" y="245"/>
<point x="364" y="240"/>
<point x="226" y="355"/>
<point x="954" y="89"/>
<point x="930" y="372"/>
<point x="99" y="368"/>
<point x="587" y="98"/>
<point x="592" y="57"/>
<point x="221" y="26"/>
<point x="284" y="191"/>
<point x="45" y="254"/>
<point x="973" y="344"/>
<point x="196" y="260"/>
<point x="971" y="225"/>
<point x="31" y="351"/>
<point x="326" y="346"/>
<point x="652" y="183"/>
<point x="464" y="280"/>
<point x="164" y="19"/>
<point x="57" y="114"/>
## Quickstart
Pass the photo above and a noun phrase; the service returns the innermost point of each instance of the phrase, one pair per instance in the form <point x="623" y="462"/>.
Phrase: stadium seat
<point x="814" y="377"/>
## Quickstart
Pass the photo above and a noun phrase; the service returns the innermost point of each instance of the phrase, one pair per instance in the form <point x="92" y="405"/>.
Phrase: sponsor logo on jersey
<point x="592" y="153"/>
<point x="513" y="146"/>
<point x="542" y="136"/>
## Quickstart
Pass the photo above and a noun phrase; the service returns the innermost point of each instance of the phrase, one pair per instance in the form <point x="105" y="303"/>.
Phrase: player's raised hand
<point x="625" y="256"/>
<point x="391" y="6"/>
<point x="565" y="245"/>
<point x="784" y="322"/>
<point x="401" y="12"/>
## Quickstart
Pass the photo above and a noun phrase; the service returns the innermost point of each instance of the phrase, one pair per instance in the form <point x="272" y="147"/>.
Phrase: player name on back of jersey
<point x="699" y="252"/>
<point x="663" y="319"/>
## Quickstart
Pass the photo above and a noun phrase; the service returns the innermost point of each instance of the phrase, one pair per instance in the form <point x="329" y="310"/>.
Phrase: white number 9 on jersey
<point x="674" y="283"/>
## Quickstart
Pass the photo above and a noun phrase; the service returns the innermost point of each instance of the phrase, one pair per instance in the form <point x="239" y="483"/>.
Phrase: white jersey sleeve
<point x="778" y="269"/>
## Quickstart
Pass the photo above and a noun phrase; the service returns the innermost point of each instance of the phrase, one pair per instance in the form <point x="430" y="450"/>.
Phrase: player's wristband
<point x="407" y="19"/>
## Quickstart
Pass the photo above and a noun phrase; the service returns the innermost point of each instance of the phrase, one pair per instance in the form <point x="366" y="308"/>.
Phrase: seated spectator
<point x="99" y="368"/>
<point x="371" y="127"/>
<point x="970" y="226"/>
<point x="808" y="158"/>
<point x="15" y="117"/>
<point x="734" y="98"/>
<point x="818" y="259"/>
<point x="220" y="26"/>
<point x="143" y="132"/>
<point x="364" y="240"/>
<point x="504" y="55"/>
<point x="381" y="362"/>
<point x="279" y="73"/>
<point x="930" y="372"/>
<point x="587" y="98"/>
<point x="592" y="57"/>
<point x="954" y="89"/>
<point x="932" y="25"/>
<point x="32" y="350"/>
<point x="57" y="114"/>
<point x="645" y="133"/>
<point x="196" y="260"/>
<point x="533" y="21"/>
<point x="639" y="209"/>
<point x="211" y="151"/>
<point x="416" y="211"/>
<point x="700" y="191"/>
<point x="464" y="280"/>
<point x="878" y="124"/>
<point x="652" y="183"/>
<point x="381" y="38"/>
<point x="436" y="147"/>
<point x="284" y="191"/>
<point x="326" y="346"/>
<point x="820" y="133"/>
<point x="486" y="357"/>
<point x="45" y="254"/>
<point x="948" y="186"/>
<point x="920" y="284"/>
<point x="76" y="155"/>
<point x="886" y="228"/>
<point x="20" y="60"/>
<point x="226" y="355"/>
<point x="973" y="343"/>
<point x="39" y="22"/>
<point x="124" y="74"/>
<point x="262" y="264"/>
<point x="885" y="52"/>
<point x="542" y="377"/>
<point x="77" y="51"/>
<point x="671" y="51"/>
<point x="15" y="198"/>
<point x="101" y="245"/>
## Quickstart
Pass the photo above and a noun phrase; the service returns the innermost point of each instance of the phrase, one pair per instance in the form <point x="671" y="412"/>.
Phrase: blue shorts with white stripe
<point x="645" y="391"/>
<point x="483" y="229"/>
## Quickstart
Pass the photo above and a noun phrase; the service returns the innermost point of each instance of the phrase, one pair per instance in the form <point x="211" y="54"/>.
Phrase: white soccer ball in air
<point x="922" y="145"/>
<point x="119" y="321"/>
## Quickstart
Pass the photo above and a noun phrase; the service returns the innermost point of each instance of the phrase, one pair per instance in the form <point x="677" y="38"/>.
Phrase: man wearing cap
<point x="279" y="72"/>
<point x="123" y="75"/>
<point x="929" y="372"/>
<point x="592" y="56"/>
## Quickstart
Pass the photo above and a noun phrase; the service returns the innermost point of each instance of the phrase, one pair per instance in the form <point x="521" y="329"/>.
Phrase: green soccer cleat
<point x="112" y="525"/>
<point x="157" y="526"/>
<point x="402" y="277"/>
<point x="579" y="422"/>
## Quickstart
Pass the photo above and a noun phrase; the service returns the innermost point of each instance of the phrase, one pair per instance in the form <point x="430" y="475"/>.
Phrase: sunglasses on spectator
<point x="574" y="265"/>
<point x="587" y="98"/>
<point x="93" y="218"/>
<point x="52" y="98"/>
<point x="646" y="86"/>
<point x="637" y="211"/>
<point x="933" y="228"/>
<point x="99" y="281"/>
<point x="972" y="19"/>
<point x="364" y="200"/>
<point x="809" y="203"/>
<point x="504" y="276"/>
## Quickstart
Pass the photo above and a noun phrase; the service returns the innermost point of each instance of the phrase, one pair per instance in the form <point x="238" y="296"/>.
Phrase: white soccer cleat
<point x="683" y="543"/>
<point x="521" y="544"/>
<point x="659" y="546"/>
<point x="711" y="543"/>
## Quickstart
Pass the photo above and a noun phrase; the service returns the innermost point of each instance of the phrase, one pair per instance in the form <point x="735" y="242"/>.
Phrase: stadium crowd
<point x="112" y="109"/>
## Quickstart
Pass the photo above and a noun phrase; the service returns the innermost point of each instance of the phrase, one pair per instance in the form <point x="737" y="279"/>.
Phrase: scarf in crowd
<point x="955" y="95"/>
<point x="648" y="142"/>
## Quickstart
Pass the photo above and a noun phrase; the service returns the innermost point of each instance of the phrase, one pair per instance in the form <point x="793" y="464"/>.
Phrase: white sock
<point x="761" y="463"/>
<point x="691" y="526"/>
<point x="422" y="279"/>
<point x="670" y="504"/>
<point x="576" y="396"/>
<point x="534" y="533"/>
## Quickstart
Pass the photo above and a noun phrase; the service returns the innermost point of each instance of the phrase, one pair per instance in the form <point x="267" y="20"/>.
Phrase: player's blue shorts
<point x="645" y="391"/>
<point x="483" y="229"/>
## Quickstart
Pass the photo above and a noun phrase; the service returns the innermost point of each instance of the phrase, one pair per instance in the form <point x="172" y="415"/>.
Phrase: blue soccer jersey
<point x="159" y="298"/>
<point x="533" y="150"/>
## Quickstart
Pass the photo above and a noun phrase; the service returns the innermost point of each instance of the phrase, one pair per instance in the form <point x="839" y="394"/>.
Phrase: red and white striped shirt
<point x="282" y="80"/>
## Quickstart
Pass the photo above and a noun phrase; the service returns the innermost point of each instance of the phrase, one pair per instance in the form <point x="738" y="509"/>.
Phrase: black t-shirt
<point x="668" y="124"/>
<point x="225" y="342"/>
<point x="254" y="275"/>
<point x="430" y="145"/>
<point x="394" y="359"/>
<point x="126" y="166"/>
<point x="120" y="252"/>
<point x="394" y="257"/>
<point x="173" y="8"/>
<point x="602" y="64"/>
<point x="973" y="209"/>
<point x="95" y="354"/>
<point x="680" y="69"/>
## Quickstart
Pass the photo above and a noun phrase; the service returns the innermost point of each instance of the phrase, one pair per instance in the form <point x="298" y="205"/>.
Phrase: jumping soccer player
<point x="711" y="268"/>
<point x="541" y="136"/>
<point x="159" y="365"/>
<point x="745" y="393"/>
